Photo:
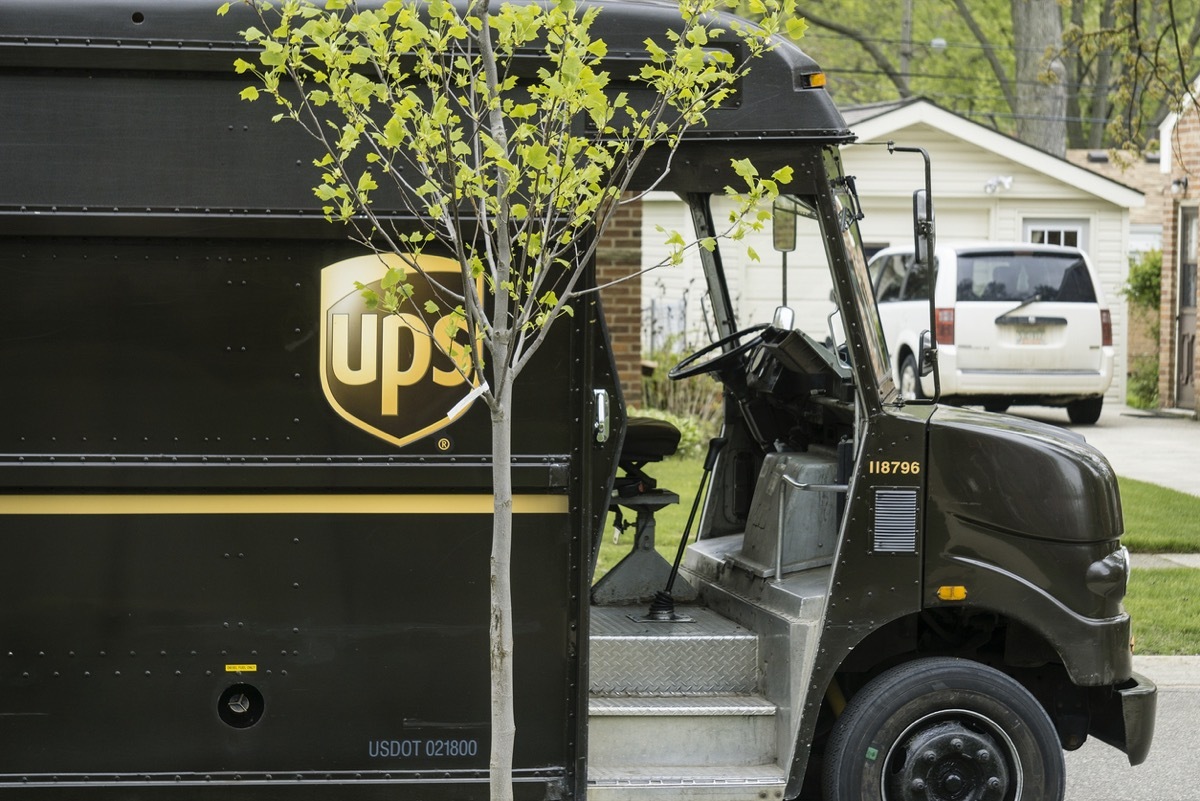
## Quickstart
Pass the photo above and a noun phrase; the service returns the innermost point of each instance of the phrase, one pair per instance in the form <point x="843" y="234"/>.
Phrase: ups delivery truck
<point x="245" y="521"/>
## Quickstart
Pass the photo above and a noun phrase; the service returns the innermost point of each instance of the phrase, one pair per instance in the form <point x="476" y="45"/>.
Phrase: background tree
<point x="1093" y="73"/>
<point x="429" y="108"/>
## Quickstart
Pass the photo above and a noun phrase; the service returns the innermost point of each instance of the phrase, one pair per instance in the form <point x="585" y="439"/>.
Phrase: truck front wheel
<point x="943" y="728"/>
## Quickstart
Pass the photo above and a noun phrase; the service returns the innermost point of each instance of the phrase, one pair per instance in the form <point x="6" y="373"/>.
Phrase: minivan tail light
<point x="1105" y="328"/>
<point x="945" y="326"/>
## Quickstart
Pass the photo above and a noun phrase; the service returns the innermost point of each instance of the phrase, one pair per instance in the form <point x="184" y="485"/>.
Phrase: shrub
<point x="1141" y="392"/>
<point x="693" y="405"/>
<point x="1143" y="290"/>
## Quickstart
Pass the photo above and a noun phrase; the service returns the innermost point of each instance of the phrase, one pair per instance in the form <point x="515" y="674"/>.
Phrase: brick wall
<point x="620" y="255"/>
<point x="1166" y="309"/>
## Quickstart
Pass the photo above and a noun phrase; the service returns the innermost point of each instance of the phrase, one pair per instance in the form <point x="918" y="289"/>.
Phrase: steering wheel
<point x="713" y="358"/>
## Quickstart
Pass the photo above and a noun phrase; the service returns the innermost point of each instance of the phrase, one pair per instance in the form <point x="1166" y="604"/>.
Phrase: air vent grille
<point x="895" y="529"/>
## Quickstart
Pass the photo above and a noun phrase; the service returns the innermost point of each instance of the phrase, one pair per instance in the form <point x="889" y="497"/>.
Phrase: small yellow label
<point x="241" y="668"/>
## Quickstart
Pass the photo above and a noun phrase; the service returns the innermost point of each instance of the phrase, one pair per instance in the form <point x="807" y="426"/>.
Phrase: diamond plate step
<point x="680" y="705"/>
<point x="710" y="656"/>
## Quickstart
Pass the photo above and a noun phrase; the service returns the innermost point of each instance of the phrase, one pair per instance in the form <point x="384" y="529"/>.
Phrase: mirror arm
<point x="923" y="229"/>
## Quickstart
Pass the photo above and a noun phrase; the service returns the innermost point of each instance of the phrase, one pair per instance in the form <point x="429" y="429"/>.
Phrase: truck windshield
<point x="813" y="294"/>
<point x="845" y="257"/>
<point x="860" y="304"/>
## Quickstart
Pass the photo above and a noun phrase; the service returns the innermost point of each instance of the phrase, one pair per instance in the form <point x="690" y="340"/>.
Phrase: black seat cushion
<point x="648" y="439"/>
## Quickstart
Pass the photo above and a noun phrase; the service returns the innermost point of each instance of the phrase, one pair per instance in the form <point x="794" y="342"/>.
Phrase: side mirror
<point x="783" y="226"/>
<point x="784" y="318"/>
<point x="923" y="227"/>
<point x="927" y="359"/>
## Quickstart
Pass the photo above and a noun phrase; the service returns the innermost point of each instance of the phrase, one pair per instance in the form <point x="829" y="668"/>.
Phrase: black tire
<point x="910" y="379"/>
<point x="942" y="728"/>
<point x="1085" y="412"/>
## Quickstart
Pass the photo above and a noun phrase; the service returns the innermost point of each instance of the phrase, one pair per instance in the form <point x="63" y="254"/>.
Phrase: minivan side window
<point x="916" y="282"/>
<point x="1024" y="276"/>
<point x="888" y="279"/>
<point x="898" y="278"/>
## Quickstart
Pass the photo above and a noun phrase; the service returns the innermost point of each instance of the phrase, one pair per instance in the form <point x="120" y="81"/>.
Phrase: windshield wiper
<point x="1035" y="297"/>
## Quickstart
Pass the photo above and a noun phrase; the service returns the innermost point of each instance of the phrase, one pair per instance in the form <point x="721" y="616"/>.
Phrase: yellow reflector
<point x="952" y="593"/>
<point x="816" y="79"/>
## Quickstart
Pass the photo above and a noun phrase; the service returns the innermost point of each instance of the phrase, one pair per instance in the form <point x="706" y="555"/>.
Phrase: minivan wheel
<point x="910" y="379"/>
<point x="944" y="728"/>
<point x="1085" y="412"/>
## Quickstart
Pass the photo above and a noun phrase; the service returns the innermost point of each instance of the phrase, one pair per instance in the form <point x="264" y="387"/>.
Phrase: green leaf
<point x="249" y="93"/>
<point x="537" y="156"/>
<point x="431" y="307"/>
<point x="223" y="9"/>
<point x="391" y="278"/>
<point x="744" y="168"/>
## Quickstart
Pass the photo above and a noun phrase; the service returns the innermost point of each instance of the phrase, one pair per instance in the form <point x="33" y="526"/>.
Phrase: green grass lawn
<point x="1159" y="520"/>
<point x="1165" y="604"/>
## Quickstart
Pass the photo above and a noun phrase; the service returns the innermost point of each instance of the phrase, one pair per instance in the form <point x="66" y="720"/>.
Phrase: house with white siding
<point x="986" y="186"/>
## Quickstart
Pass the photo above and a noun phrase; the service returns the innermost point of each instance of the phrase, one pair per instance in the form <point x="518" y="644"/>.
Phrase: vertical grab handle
<point x="602" y="425"/>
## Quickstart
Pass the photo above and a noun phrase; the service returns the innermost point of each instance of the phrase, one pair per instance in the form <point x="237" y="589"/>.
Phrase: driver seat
<point x="643" y="571"/>
<point x="647" y="439"/>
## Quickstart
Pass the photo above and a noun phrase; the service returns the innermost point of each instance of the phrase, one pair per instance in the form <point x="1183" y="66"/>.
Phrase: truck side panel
<point x="211" y="576"/>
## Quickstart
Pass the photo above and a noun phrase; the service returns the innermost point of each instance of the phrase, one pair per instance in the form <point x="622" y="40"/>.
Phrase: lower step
<point x="690" y="731"/>
<point x="707" y="783"/>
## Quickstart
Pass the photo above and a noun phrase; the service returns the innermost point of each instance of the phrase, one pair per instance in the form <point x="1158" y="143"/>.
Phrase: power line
<point x="947" y="76"/>
<point x="942" y="43"/>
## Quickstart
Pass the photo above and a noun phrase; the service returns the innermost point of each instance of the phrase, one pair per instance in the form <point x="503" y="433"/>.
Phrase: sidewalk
<point x="1169" y="671"/>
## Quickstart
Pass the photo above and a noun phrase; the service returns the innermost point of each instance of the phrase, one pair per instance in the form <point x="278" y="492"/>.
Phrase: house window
<point x="1056" y="232"/>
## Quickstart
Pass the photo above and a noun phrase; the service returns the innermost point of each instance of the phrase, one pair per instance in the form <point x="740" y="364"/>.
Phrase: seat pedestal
<point x="643" y="571"/>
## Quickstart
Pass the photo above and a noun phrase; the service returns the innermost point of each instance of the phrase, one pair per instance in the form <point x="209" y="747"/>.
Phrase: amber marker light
<point x="948" y="593"/>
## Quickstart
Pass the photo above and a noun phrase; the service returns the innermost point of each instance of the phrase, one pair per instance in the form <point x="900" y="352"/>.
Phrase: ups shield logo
<point x="389" y="373"/>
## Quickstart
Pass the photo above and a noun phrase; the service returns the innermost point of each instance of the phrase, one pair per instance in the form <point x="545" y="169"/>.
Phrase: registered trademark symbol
<point x="444" y="444"/>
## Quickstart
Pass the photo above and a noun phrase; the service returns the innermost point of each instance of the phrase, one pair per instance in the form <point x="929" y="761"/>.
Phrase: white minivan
<point x="1016" y="323"/>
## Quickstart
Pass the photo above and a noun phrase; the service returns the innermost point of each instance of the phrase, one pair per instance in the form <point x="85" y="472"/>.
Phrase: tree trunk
<point x="1041" y="77"/>
<point x="503" y="723"/>
<point x="1100" y="88"/>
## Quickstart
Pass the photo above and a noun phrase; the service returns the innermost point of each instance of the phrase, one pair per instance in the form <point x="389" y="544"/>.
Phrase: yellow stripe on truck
<point x="370" y="504"/>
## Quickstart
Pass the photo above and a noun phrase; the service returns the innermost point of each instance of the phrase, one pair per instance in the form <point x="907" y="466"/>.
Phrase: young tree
<point x="431" y="107"/>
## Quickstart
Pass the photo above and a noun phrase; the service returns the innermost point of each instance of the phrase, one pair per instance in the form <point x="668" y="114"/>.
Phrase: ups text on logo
<point x="390" y="374"/>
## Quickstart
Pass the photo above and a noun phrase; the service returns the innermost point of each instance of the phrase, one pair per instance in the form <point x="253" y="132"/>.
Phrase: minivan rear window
<point x="1024" y="276"/>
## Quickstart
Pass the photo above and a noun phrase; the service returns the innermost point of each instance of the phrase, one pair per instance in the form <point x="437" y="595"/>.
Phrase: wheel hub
<point x="950" y="762"/>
